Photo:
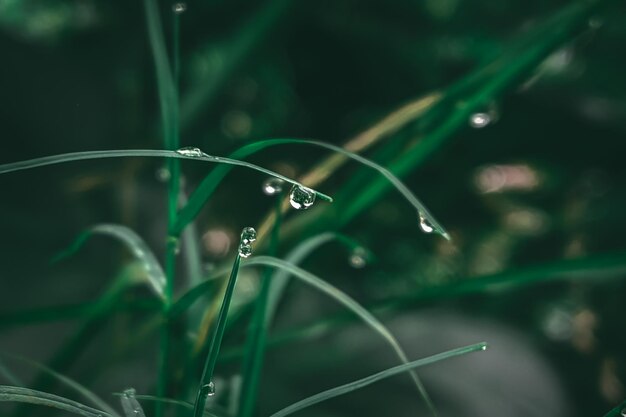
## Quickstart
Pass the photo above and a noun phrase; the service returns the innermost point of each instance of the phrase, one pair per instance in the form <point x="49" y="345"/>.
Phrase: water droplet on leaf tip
<point x="273" y="186"/>
<point x="425" y="224"/>
<point x="301" y="198"/>
<point x="245" y="250"/>
<point x="209" y="389"/>
<point x="190" y="151"/>
<point x="248" y="235"/>
<point x="179" y="7"/>
<point x="480" y="120"/>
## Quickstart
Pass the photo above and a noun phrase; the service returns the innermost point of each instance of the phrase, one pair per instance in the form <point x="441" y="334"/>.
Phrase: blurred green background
<point x="543" y="182"/>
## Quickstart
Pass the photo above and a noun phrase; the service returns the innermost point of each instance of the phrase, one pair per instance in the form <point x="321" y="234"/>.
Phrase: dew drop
<point x="130" y="404"/>
<point x="358" y="258"/>
<point x="425" y="224"/>
<point x="480" y="120"/>
<point x="483" y="347"/>
<point x="245" y="250"/>
<point x="248" y="235"/>
<point x="301" y="198"/>
<point x="273" y="186"/>
<point x="209" y="389"/>
<point x="179" y="8"/>
<point x="190" y="151"/>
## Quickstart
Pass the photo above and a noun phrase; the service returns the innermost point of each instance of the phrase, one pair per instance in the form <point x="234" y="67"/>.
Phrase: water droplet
<point x="130" y="393"/>
<point x="484" y="347"/>
<point x="130" y="404"/>
<point x="209" y="389"/>
<point x="245" y="250"/>
<point x="301" y="197"/>
<point x="273" y="186"/>
<point x="358" y="258"/>
<point x="190" y="151"/>
<point x="248" y="235"/>
<point x="425" y="224"/>
<point x="179" y="8"/>
<point x="480" y="120"/>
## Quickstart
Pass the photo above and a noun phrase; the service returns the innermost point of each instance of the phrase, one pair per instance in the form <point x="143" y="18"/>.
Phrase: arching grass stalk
<point x="618" y="411"/>
<point x="30" y="396"/>
<point x="257" y="331"/>
<point x="207" y="387"/>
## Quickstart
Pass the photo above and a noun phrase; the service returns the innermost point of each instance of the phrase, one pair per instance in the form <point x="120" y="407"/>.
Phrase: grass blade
<point x="179" y="403"/>
<point x="210" y="183"/>
<point x="155" y="153"/>
<point x="134" y="243"/>
<point x="358" y="384"/>
<point x="349" y="303"/>
<point x="25" y="395"/>
<point x="617" y="411"/>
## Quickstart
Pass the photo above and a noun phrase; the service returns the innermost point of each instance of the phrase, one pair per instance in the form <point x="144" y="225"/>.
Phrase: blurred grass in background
<point x="529" y="180"/>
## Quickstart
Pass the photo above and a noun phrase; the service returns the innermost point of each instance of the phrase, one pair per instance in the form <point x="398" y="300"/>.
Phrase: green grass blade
<point x="210" y="183"/>
<point x="130" y="405"/>
<point x="349" y="303"/>
<point x="86" y="393"/>
<point x="358" y="384"/>
<point x="618" y="411"/>
<point x="25" y="395"/>
<point x="155" y="153"/>
<point x="179" y="403"/>
<point x="10" y="376"/>
<point x="135" y="244"/>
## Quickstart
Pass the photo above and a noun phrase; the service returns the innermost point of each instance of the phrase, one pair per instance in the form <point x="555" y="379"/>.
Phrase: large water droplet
<point x="179" y="8"/>
<point x="273" y="186"/>
<point x="245" y="250"/>
<point x="425" y="224"/>
<point x="248" y="235"/>
<point x="479" y="120"/>
<point x="190" y="151"/>
<point x="209" y="389"/>
<point x="358" y="258"/>
<point x="301" y="197"/>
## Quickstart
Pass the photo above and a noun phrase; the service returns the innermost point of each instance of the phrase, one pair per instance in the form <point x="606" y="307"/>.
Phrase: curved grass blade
<point x="618" y="411"/>
<point x="208" y="185"/>
<point x="358" y="384"/>
<point x="69" y="383"/>
<point x="134" y="243"/>
<point x="25" y="395"/>
<point x="10" y="376"/>
<point x="153" y="153"/>
<point x="351" y="304"/>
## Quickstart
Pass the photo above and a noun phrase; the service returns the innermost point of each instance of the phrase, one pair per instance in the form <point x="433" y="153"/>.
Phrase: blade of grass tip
<point x="135" y="244"/>
<point x="183" y="153"/>
<point x="197" y="200"/>
<point x="69" y="383"/>
<point x="361" y="383"/>
<point x="618" y="411"/>
<point x="351" y="304"/>
<point x="207" y="387"/>
<point x="25" y="395"/>
<point x="253" y="358"/>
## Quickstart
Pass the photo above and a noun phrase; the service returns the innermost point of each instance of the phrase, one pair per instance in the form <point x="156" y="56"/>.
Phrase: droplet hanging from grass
<point x="479" y="120"/>
<point x="248" y="235"/>
<point x="179" y="8"/>
<point x="191" y="151"/>
<point x="425" y="224"/>
<point x="273" y="186"/>
<point x="245" y="250"/>
<point x="301" y="198"/>
<point x="358" y="258"/>
<point x="208" y="390"/>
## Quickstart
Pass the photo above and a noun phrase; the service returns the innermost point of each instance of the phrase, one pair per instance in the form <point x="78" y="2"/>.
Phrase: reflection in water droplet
<point x="245" y="250"/>
<point x="425" y="225"/>
<point x="248" y="235"/>
<point x="179" y="8"/>
<point x="209" y="389"/>
<point x="273" y="186"/>
<point x="301" y="198"/>
<point x="358" y="258"/>
<point x="479" y="120"/>
<point x="190" y="151"/>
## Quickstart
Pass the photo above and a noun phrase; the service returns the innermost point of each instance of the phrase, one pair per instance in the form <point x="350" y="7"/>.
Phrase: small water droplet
<point x="190" y="151"/>
<point x="130" y="404"/>
<point x="301" y="198"/>
<point x="480" y="120"/>
<point x="209" y="389"/>
<point x="245" y="250"/>
<point x="248" y="235"/>
<point x="425" y="224"/>
<point x="358" y="258"/>
<point x="179" y="8"/>
<point x="273" y="186"/>
<point x="484" y="347"/>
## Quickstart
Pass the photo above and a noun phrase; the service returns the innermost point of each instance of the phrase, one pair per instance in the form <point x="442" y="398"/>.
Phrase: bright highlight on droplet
<point x="209" y="389"/>
<point x="190" y="151"/>
<point x="425" y="225"/>
<point x="358" y="258"/>
<point x="179" y="7"/>
<point x="301" y="198"/>
<point x="273" y="186"/>
<point x="479" y="120"/>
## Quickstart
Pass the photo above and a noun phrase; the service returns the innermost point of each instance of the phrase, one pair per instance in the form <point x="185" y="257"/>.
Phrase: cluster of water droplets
<point x="273" y="186"/>
<point x="300" y="197"/>
<point x="248" y="235"/>
<point x="130" y="405"/>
